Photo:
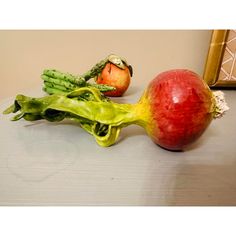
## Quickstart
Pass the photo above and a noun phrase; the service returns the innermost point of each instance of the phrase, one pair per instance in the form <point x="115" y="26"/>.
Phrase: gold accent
<point x="220" y="68"/>
<point x="215" y="56"/>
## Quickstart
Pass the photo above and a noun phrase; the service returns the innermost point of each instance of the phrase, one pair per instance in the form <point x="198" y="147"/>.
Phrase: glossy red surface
<point x="180" y="104"/>
<point x="116" y="77"/>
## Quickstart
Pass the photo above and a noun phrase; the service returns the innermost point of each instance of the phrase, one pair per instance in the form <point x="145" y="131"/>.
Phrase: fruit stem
<point x="101" y="118"/>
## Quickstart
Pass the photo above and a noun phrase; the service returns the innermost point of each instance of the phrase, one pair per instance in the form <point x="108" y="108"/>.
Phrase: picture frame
<point x="220" y="67"/>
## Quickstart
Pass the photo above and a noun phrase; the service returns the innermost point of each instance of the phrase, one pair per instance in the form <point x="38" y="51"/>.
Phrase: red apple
<point x="117" y="77"/>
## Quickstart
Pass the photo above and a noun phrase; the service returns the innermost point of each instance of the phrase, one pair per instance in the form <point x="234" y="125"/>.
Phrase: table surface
<point x="44" y="163"/>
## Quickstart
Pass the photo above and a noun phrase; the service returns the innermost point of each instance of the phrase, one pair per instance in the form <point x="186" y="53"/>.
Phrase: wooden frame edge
<point x="214" y="58"/>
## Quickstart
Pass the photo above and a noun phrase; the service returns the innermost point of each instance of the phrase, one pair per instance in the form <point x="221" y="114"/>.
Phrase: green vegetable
<point x="56" y="82"/>
<point x="88" y="106"/>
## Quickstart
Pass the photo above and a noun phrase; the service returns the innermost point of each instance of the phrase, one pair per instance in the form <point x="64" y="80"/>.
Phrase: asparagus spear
<point x="51" y="90"/>
<point x="59" y="87"/>
<point x="96" y="70"/>
<point x="67" y="82"/>
<point x="74" y="80"/>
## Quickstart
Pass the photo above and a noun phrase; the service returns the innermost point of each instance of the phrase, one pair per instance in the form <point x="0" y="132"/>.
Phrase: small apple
<point x="117" y="77"/>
